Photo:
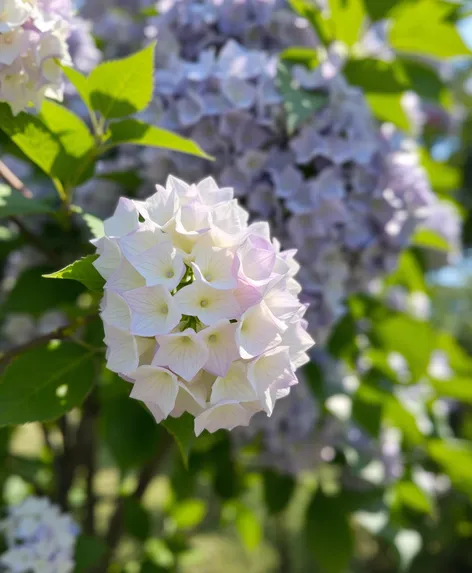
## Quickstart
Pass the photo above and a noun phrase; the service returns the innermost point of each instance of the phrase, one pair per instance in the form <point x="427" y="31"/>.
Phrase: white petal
<point x="125" y="278"/>
<point x="257" y="331"/>
<point x="220" y="340"/>
<point x="124" y="220"/>
<point x="208" y="304"/>
<point x="226" y="415"/>
<point x="109" y="259"/>
<point x="153" y="311"/>
<point x="271" y="375"/>
<point x="192" y="219"/>
<point x="234" y="386"/>
<point x="214" y="266"/>
<point x="156" y="385"/>
<point x="211" y="194"/>
<point x="122" y="351"/>
<point x="162" y="264"/>
<point x="298" y="341"/>
<point x="184" y="353"/>
<point x="156" y="412"/>
<point x="144" y="237"/>
<point x="191" y="398"/>
<point x="115" y="310"/>
<point x="281" y="302"/>
<point x="162" y="207"/>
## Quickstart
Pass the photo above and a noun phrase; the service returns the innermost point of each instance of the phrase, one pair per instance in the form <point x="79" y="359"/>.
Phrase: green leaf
<point x="428" y="239"/>
<point x="408" y="273"/>
<point x="414" y="340"/>
<point x="407" y="493"/>
<point x="399" y="417"/>
<point x="119" y="88"/>
<point x="44" y="383"/>
<point x="128" y="179"/>
<point x="46" y="295"/>
<point x="248" y="527"/>
<point x="328" y="532"/>
<point x="129" y="431"/>
<point x="445" y="178"/>
<point x="95" y="225"/>
<point x="459" y="388"/>
<point x="80" y="82"/>
<point x="376" y="76"/>
<point x="278" y="490"/>
<point x="309" y="10"/>
<point x="347" y="17"/>
<point x="12" y="203"/>
<point x="299" y="104"/>
<point x="388" y="107"/>
<point x="57" y="141"/>
<point x="380" y="9"/>
<point x="76" y="140"/>
<point x="82" y="271"/>
<point x="455" y="459"/>
<point x="136" y="132"/>
<point x="422" y="79"/>
<point x="136" y="519"/>
<point x="182" y="430"/>
<point x="88" y="552"/>
<point x="189" y="513"/>
<point x="299" y="55"/>
<point x="423" y="27"/>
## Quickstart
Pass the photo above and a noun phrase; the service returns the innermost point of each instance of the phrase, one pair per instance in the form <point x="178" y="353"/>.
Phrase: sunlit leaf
<point x="82" y="271"/>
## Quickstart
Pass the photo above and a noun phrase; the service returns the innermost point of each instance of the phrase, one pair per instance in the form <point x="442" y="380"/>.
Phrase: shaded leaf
<point x="328" y="532"/>
<point x="136" y="519"/>
<point x="376" y="75"/>
<point x="278" y="490"/>
<point x="88" y="552"/>
<point x="407" y="493"/>
<point x="44" y="383"/>
<point x="119" y="88"/>
<point x="82" y="271"/>
<point x="12" y="203"/>
<point x="455" y="459"/>
<point x="182" y="430"/>
<point x="130" y="432"/>
<point x="299" y="104"/>
<point x="47" y="295"/>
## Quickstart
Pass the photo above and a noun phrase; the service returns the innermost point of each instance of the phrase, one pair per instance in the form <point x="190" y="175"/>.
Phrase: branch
<point x="14" y="181"/>
<point x="59" y="334"/>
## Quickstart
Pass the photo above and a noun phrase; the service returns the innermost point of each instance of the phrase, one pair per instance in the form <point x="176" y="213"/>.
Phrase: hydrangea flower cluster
<point x="344" y="191"/>
<point x="39" y="538"/>
<point x="201" y="310"/>
<point x="33" y="40"/>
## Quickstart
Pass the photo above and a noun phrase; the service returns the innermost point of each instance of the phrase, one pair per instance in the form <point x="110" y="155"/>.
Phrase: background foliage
<point x="386" y="479"/>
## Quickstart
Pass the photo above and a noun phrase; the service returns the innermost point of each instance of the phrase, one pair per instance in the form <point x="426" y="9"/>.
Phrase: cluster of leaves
<point x="83" y="412"/>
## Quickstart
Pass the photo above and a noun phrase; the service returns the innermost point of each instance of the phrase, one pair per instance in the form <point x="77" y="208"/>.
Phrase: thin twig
<point x="59" y="334"/>
<point x="7" y="174"/>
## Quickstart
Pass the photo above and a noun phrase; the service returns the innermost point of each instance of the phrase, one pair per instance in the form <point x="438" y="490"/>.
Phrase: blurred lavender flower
<point x="39" y="538"/>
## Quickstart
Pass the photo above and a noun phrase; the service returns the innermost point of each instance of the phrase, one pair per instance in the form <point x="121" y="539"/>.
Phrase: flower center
<point x="170" y="274"/>
<point x="212" y="338"/>
<point x="164" y="309"/>
<point x="204" y="303"/>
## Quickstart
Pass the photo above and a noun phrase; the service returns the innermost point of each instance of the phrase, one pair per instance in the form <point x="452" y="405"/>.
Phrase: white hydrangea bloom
<point x="39" y="538"/>
<point x="200" y="311"/>
<point x="33" y="42"/>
